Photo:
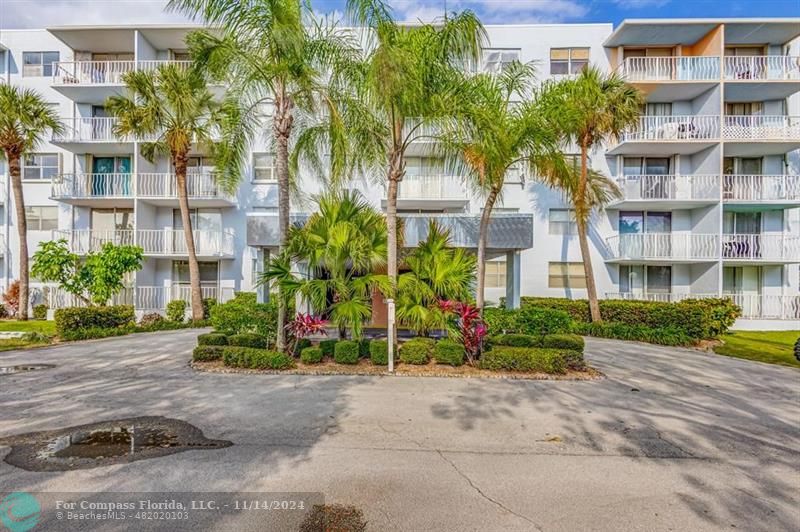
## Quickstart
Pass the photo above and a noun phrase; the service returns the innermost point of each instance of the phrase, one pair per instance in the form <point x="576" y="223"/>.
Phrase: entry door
<point x="744" y="283"/>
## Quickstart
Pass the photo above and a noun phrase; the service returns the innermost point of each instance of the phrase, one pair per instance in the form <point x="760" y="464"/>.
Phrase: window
<point x="636" y="222"/>
<point x="201" y="219"/>
<point x="568" y="60"/>
<point x="640" y="279"/>
<point x="562" y="222"/>
<point x="38" y="64"/>
<point x="495" y="273"/>
<point x="113" y="219"/>
<point x="646" y="166"/>
<point x="263" y="167"/>
<point x="744" y="109"/>
<point x="498" y="60"/>
<point x="566" y="275"/>
<point x="208" y="273"/>
<point x="40" y="166"/>
<point x="41" y="218"/>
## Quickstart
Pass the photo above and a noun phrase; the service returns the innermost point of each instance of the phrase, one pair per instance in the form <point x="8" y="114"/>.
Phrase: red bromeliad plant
<point x="305" y="325"/>
<point x="470" y="328"/>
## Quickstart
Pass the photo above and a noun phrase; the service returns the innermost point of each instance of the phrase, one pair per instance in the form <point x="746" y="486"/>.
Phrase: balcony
<point x="758" y="135"/>
<point x="420" y="191"/>
<point x="664" y="297"/>
<point x="151" y="298"/>
<point x="663" y="247"/>
<point x="165" y="243"/>
<point x="672" y="78"/>
<point x="761" y="248"/>
<point x="760" y="306"/>
<point x="93" y="189"/>
<point x="80" y="134"/>
<point x="668" y="135"/>
<point x="202" y="189"/>
<point x="762" y="68"/>
<point x="777" y="190"/>
<point x="665" y="191"/>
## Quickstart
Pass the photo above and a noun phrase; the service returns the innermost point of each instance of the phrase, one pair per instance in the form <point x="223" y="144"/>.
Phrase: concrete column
<point x="513" y="274"/>
<point x="262" y="291"/>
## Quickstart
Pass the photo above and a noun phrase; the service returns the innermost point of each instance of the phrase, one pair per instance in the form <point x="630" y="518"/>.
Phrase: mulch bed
<point x="366" y="368"/>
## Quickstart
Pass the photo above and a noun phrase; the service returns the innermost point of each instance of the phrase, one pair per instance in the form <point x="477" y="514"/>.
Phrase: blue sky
<point x="43" y="13"/>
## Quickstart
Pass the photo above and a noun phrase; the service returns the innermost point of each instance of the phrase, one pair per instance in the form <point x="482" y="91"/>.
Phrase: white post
<point x="390" y="332"/>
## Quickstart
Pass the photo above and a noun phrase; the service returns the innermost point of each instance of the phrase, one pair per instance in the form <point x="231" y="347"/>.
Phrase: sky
<point x="44" y="13"/>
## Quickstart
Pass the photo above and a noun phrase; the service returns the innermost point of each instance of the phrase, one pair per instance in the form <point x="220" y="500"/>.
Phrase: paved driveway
<point x="672" y="440"/>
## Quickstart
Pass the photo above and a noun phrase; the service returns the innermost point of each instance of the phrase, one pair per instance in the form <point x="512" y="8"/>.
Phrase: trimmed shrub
<point x="40" y="312"/>
<point x="301" y="344"/>
<point x="248" y="340"/>
<point x="73" y="318"/>
<point x="346" y="352"/>
<point x="501" y="320"/>
<point x="206" y="353"/>
<point x="415" y="352"/>
<point x="311" y="355"/>
<point x="448" y="352"/>
<point x="542" y="321"/>
<point x="248" y="357"/>
<point x="574" y="360"/>
<point x="327" y="347"/>
<point x="638" y="333"/>
<point x="243" y="315"/>
<point x="151" y="318"/>
<point x="363" y="348"/>
<point x="563" y="341"/>
<point x="525" y="359"/>
<point x="213" y="338"/>
<point x="208" y="304"/>
<point x="379" y="352"/>
<point x="517" y="340"/>
<point x="93" y="333"/>
<point x="176" y="310"/>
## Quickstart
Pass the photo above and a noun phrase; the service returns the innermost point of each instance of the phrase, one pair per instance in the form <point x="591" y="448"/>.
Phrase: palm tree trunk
<point x="186" y="219"/>
<point x="282" y="127"/>
<point x="396" y="170"/>
<point x="22" y="231"/>
<point x="582" y="218"/>
<point x="483" y="235"/>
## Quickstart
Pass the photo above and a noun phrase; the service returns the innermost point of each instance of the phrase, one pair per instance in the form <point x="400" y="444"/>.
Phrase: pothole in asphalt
<point x="22" y="368"/>
<point x="105" y="443"/>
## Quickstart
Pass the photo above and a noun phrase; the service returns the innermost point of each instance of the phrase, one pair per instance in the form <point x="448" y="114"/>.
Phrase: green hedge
<point x="379" y="352"/>
<point x="515" y="340"/>
<point x="74" y="318"/>
<point x="248" y="357"/>
<point x="248" y="340"/>
<point x="176" y="310"/>
<point x="554" y="341"/>
<point x="92" y="333"/>
<point x="564" y="341"/>
<point x="40" y="312"/>
<point x="449" y="352"/>
<point x="363" y="348"/>
<point x="533" y="359"/>
<point x="213" y="338"/>
<point x="501" y="320"/>
<point x="301" y="344"/>
<point x="205" y="353"/>
<point x="243" y="315"/>
<point x="346" y="352"/>
<point x="541" y="321"/>
<point x="639" y="333"/>
<point x="417" y="351"/>
<point x="311" y="355"/>
<point x="327" y="347"/>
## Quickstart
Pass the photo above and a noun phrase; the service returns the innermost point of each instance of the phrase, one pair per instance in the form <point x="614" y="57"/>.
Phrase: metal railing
<point x="91" y="72"/>
<point x="432" y="187"/>
<point x="669" y="187"/>
<point x="93" y="129"/>
<point x="664" y="246"/>
<point x="761" y="247"/>
<point x="78" y="185"/>
<point x="761" y="127"/>
<point x="172" y="242"/>
<point x="760" y="187"/>
<point x="83" y="241"/>
<point x="762" y="306"/>
<point x="164" y="185"/>
<point x="56" y="297"/>
<point x="157" y="297"/>
<point x="763" y="67"/>
<point x="153" y="64"/>
<point x="674" y="127"/>
<point x="683" y="68"/>
<point x="666" y="297"/>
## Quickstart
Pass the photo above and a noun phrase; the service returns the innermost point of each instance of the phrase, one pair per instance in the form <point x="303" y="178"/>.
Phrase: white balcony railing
<point x="761" y="187"/>
<point x="432" y="187"/>
<point x="674" y="127"/>
<point x="83" y="241"/>
<point x="778" y="247"/>
<point x="666" y="297"/>
<point x="762" y="306"/>
<point x="172" y="242"/>
<point x="91" y="72"/>
<point x="761" y="127"/>
<point x="664" y="246"/>
<point x="96" y="129"/>
<point x="157" y="297"/>
<point x="154" y="64"/>
<point x="687" y="68"/>
<point x="164" y="185"/>
<point x="56" y="297"/>
<point x="117" y="185"/>
<point x="764" y="67"/>
<point x="669" y="187"/>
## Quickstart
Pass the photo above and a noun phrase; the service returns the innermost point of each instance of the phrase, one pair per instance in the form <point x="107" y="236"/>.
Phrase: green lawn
<point x="773" y="347"/>
<point x="42" y="326"/>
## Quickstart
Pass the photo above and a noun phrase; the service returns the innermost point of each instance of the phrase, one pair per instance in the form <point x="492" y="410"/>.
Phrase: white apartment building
<point x="711" y="191"/>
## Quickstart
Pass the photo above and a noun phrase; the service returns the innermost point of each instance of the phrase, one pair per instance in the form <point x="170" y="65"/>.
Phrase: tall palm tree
<point x="588" y="111"/>
<point x="411" y="81"/>
<point x="491" y="135"/>
<point x="25" y="119"/>
<point x="272" y="54"/>
<point x="173" y="106"/>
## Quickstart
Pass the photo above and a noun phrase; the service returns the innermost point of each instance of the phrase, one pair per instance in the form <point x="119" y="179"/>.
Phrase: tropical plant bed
<point x="366" y="368"/>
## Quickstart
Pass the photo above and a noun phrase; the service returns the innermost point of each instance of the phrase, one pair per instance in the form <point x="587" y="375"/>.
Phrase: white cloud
<point x="637" y="4"/>
<point x="45" y="13"/>
<point x="494" y="11"/>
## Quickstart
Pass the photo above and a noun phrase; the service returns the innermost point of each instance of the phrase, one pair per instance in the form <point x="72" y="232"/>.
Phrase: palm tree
<point x="173" y="106"/>
<point x="344" y="245"/>
<point x="492" y="136"/>
<point x="25" y="119"/>
<point x="412" y="84"/>
<point x="273" y="55"/>
<point x="587" y="111"/>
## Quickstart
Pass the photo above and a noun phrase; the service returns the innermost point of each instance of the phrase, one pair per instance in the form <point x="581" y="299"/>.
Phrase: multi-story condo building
<point x="711" y="191"/>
